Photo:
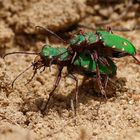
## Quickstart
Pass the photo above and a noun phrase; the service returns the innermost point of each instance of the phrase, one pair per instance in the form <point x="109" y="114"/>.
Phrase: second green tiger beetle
<point x="105" y="43"/>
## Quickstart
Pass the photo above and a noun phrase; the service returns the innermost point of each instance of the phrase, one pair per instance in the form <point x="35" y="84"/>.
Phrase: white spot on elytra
<point x="113" y="46"/>
<point x="125" y="44"/>
<point x="122" y="49"/>
<point x="86" y="66"/>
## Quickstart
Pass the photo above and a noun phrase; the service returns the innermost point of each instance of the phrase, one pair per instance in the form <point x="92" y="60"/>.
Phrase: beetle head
<point x="38" y="63"/>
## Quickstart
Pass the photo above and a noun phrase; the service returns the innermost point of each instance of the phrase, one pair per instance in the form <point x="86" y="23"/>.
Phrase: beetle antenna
<point x="20" y="75"/>
<point x="32" y="53"/>
<point x="51" y="32"/>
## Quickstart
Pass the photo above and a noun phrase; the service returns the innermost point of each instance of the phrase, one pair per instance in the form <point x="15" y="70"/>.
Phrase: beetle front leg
<point x="54" y="88"/>
<point x="35" y="71"/>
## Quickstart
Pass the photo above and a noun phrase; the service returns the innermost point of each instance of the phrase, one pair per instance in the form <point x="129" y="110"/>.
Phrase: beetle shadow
<point x="88" y="90"/>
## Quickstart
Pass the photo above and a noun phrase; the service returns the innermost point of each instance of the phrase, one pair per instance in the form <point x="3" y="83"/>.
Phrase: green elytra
<point x="108" y="39"/>
<point x="116" y="42"/>
<point x="84" y="61"/>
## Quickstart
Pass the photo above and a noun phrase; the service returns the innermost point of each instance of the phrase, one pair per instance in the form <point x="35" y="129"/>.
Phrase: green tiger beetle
<point x="105" y="43"/>
<point x="82" y="64"/>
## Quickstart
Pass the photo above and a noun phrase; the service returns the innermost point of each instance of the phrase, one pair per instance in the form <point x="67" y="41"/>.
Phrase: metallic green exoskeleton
<point x="116" y="42"/>
<point x="83" y="60"/>
<point x="103" y="42"/>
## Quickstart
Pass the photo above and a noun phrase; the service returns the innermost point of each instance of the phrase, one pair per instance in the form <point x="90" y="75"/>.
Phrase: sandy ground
<point x="118" y="118"/>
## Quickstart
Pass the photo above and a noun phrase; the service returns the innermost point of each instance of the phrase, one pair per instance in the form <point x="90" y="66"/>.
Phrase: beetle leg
<point x="136" y="59"/>
<point x="76" y="93"/>
<point x="103" y="61"/>
<point x="95" y="58"/>
<point x="54" y="88"/>
<point x="29" y="80"/>
<point x="43" y="69"/>
<point x="70" y="73"/>
<point x="20" y="75"/>
<point x="106" y="81"/>
<point x="50" y="64"/>
<point x="74" y="56"/>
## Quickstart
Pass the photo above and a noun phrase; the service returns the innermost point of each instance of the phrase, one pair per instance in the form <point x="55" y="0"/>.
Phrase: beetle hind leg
<point x="95" y="58"/>
<point x="76" y="93"/>
<point x="136" y="59"/>
<point x="70" y="73"/>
